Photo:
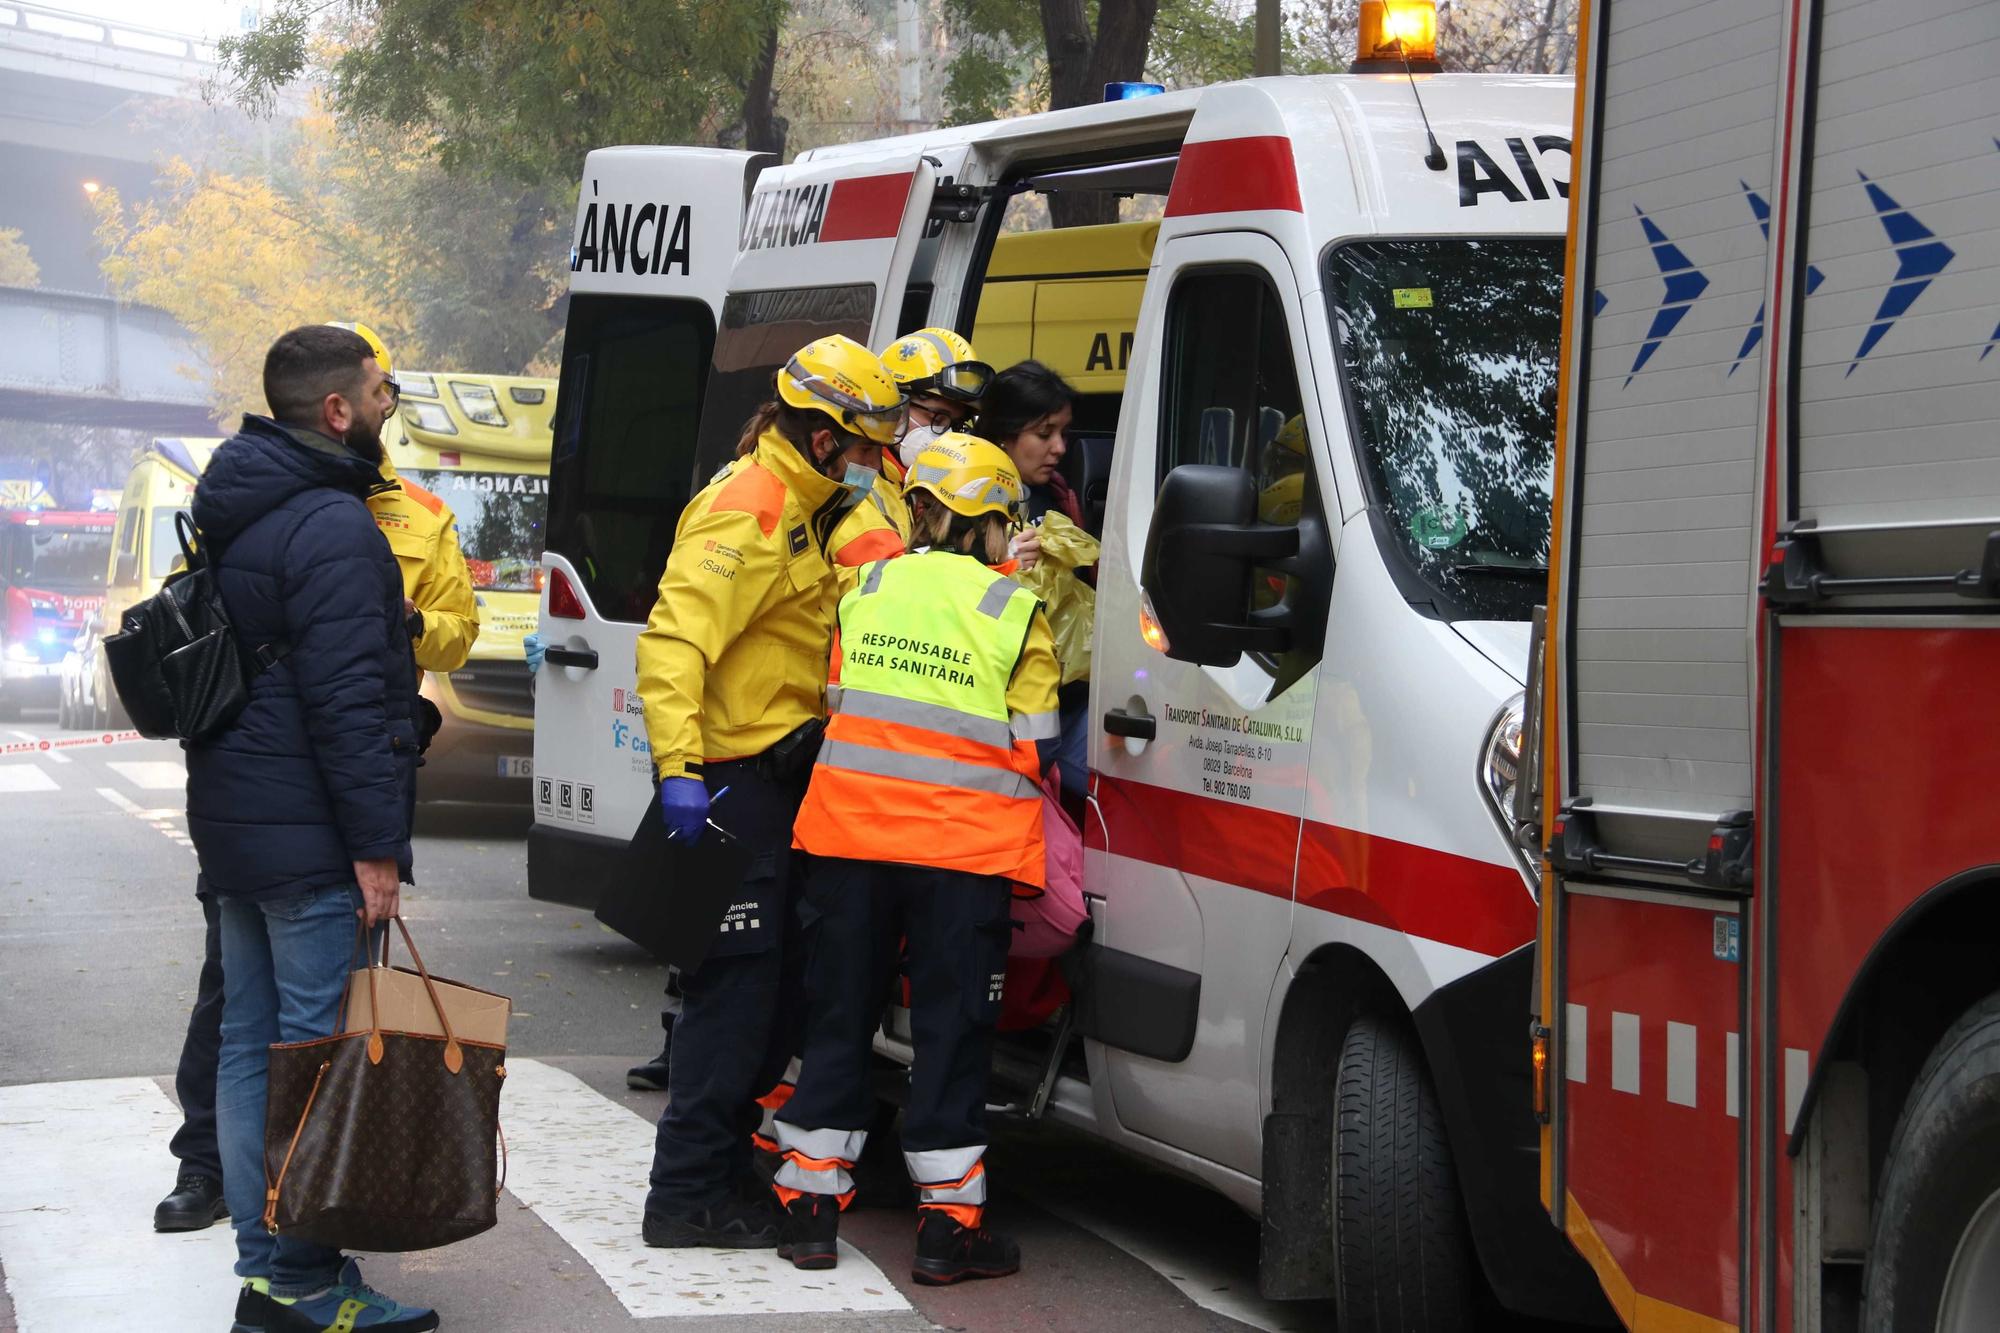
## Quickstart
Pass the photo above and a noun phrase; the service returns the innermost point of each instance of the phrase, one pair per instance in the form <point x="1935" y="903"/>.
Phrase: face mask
<point x="859" y="479"/>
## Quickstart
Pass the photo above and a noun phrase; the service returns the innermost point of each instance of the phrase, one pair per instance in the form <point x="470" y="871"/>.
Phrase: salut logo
<point x="644" y="238"/>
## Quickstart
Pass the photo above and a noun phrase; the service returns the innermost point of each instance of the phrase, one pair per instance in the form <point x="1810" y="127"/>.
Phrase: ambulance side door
<point x="1200" y="770"/>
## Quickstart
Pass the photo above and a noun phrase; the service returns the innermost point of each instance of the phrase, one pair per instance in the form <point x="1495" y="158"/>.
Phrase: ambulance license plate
<point x="517" y="766"/>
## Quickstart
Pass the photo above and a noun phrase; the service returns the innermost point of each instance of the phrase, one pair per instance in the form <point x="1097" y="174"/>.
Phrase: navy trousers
<point x="194" y="1081"/>
<point x="742" y="1014"/>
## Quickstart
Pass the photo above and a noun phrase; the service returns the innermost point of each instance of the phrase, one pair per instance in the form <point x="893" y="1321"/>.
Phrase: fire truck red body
<point x="52" y="569"/>
<point x="1769" y="1000"/>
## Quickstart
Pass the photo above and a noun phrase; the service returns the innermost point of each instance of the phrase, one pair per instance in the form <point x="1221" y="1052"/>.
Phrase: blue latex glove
<point x="534" y="649"/>
<point x="684" y="807"/>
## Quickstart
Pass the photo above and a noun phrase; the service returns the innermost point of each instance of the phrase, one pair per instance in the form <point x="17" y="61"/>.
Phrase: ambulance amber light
<point x="564" y="604"/>
<point x="1541" y="1059"/>
<point x="1397" y="31"/>
<point x="1150" y="628"/>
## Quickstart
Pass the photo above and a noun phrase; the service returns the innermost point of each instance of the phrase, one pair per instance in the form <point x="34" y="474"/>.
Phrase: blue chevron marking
<point x="1920" y="256"/>
<point x="1684" y="282"/>
<point x="1598" y="300"/>
<point x="1762" y="212"/>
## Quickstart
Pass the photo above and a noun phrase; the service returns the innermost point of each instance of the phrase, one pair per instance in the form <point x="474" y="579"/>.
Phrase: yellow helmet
<point x="372" y="338"/>
<point x="967" y="474"/>
<point x="838" y="376"/>
<point x="937" y="361"/>
<point x="1292" y="435"/>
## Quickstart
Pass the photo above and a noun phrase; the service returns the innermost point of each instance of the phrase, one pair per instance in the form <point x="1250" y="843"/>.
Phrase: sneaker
<point x="809" y="1234"/>
<point x="349" y="1306"/>
<point x="948" y="1251"/>
<point x="253" y="1306"/>
<point x="195" y="1205"/>
<point x="740" y="1222"/>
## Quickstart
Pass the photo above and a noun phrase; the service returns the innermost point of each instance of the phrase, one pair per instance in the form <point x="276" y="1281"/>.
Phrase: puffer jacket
<point x="319" y="770"/>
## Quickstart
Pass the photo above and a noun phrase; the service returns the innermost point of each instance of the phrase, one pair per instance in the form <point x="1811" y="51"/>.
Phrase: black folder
<point x="670" y="896"/>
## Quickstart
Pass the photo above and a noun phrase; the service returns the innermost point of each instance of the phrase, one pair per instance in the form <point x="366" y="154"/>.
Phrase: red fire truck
<point x="1768" y="1018"/>
<point x="52" y="568"/>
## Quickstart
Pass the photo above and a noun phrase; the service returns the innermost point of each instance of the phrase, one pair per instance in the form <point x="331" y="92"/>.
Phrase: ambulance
<point x="1769" y="994"/>
<point x="480" y="443"/>
<point x="159" y="486"/>
<point x="52" y="565"/>
<point x="1325" y="507"/>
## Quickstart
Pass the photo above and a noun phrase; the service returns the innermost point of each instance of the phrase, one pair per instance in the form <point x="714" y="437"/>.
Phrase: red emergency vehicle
<point x="1768" y="1018"/>
<point x="52" y="569"/>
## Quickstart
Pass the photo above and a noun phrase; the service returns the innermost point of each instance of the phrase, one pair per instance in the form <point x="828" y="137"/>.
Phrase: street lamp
<point x="91" y="187"/>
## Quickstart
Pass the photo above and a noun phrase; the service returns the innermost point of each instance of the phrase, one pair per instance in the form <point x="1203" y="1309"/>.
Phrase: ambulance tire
<point x="1403" y="1260"/>
<point x="1940" y="1190"/>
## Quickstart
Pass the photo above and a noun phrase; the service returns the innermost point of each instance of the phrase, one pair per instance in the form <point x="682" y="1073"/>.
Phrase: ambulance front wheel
<point x="1403" y="1260"/>
<point x="1934" y="1262"/>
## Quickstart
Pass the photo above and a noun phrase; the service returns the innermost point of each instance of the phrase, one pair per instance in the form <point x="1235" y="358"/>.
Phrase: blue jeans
<point x="284" y="966"/>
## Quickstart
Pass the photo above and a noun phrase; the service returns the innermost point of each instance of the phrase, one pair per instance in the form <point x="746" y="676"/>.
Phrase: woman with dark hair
<point x="1026" y="409"/>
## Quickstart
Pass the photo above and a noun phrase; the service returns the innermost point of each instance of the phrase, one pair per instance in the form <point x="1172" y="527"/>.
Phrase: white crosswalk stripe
<point x="24" y="777"/>
<point x="84" y="1161"/>
<point x="151" y="774"/>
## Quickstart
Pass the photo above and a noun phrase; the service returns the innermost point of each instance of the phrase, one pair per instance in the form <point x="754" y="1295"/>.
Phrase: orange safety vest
<point x="923" y="764"/>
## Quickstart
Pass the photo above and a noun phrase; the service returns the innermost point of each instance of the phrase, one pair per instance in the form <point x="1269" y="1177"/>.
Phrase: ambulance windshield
<point x="500" y="516"/>
<point x="1448" y="355"/>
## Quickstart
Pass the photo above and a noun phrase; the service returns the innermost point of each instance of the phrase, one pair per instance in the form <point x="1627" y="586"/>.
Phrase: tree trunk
<point x="763" y="128"/>
<point x="1079" y="67"/>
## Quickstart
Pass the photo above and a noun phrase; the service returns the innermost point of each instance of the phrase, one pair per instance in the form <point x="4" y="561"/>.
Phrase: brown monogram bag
<point x="377" y="1139"/>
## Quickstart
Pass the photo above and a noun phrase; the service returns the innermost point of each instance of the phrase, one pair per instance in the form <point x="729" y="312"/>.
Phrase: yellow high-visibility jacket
<point x="423" y="534"/>
<point x="734" y="655"/>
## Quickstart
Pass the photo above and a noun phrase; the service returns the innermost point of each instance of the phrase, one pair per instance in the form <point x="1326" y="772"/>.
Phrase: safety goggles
<point x="961" y="381"/>
<point x="878" y="424"/>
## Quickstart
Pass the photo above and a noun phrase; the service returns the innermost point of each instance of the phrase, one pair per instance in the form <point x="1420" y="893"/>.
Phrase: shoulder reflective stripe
<point x="932" y="717"/>
<point x="874" y="578"/>
<point x="998" y="594"/>
<point x="1035" y="726"/>
<point x="834" y="694"/>
<point x="853" y="758"/>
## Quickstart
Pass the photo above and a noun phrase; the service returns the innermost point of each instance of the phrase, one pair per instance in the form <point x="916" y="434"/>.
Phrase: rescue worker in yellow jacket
<point x="732" y="671"/>
<point x="943" y="379"/>
<point x="924" y="813"/>
<point x="423" y="534"/>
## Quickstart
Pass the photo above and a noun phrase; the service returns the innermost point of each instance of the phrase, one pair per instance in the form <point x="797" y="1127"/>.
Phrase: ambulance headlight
<point x="430" y="417"/>
<point x="478" y="402"/>
<point x="1501" y="766"/>
<point x="418" y="386"/>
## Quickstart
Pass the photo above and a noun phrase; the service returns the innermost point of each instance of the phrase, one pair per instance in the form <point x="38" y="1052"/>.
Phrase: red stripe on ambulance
<point x="866" y="208"/>
<point x="1235" y="176"/>
<point x="1454" y="900"/>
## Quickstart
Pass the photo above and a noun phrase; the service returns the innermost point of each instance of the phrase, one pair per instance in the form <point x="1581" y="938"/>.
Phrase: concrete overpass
<point x="76" y="358"/>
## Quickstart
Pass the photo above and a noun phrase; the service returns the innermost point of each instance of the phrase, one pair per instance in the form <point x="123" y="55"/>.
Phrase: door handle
<point x="584" y="658"/>
<point x="1137" y="725"/>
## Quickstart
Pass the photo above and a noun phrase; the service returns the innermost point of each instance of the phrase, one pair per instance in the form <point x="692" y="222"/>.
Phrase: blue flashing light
<point x="1125" y="92"/>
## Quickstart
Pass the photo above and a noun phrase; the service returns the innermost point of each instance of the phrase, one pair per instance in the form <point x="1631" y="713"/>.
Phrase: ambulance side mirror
<point x="1204" y="542"/>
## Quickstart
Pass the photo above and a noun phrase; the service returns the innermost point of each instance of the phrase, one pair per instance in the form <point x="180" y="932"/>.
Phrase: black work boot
<point x="739" y="1222"/>
<point x="810" y="1234"/>
<point x="652" y="1076"/>
<point x="195" y="1204"/>
<point x="948" y="1251"/>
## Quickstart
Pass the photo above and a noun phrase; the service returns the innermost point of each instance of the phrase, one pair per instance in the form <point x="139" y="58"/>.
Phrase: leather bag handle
<point x="454" y="1054"/>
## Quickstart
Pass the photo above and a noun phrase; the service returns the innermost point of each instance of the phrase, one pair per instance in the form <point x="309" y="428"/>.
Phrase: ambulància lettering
<point x="786" y="217"/>
<point x="653" y="238"/>
<point x="1480" y="174"/>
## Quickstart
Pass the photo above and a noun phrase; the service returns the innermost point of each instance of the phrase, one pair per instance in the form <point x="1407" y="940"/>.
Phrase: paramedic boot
<point x="652" y="1076"/>
<point x="195" y="1204"/>
<point x="809" y="1235"/>
<point x="745" y="1221"/>
<point x="948" y="1251"/>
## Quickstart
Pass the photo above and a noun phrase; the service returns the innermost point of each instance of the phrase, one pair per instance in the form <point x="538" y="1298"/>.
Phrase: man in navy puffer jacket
<point x="300" y="811"/>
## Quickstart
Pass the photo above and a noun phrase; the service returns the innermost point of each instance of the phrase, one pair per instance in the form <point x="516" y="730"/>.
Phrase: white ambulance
<point x="1309" y="979"/>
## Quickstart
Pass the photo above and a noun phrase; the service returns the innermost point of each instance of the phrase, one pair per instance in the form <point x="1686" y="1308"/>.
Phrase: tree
<point x="17" y="267"/>
<point x="520" y="90"/>
<point x="452" y="272"/>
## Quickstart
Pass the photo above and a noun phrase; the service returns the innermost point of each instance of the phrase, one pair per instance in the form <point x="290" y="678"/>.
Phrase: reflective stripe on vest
<point x="919" y="736"/>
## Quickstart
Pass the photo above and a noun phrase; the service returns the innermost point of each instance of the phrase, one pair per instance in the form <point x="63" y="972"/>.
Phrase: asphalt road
<point x="101" y="938"/>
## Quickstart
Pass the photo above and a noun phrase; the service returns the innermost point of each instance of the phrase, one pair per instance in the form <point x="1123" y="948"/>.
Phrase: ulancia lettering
<point x="786" y="217"/>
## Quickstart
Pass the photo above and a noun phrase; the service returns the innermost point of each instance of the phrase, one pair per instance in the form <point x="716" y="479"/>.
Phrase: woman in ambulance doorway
<point x="1026" y="410"/>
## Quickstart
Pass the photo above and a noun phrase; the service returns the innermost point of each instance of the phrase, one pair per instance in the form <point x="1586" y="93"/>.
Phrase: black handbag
<point x="176" y="662"/>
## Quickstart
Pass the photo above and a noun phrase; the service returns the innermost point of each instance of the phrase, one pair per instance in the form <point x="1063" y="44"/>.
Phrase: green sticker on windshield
<point x="1413" y="298"/>
<point x="1437" y="529"/>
